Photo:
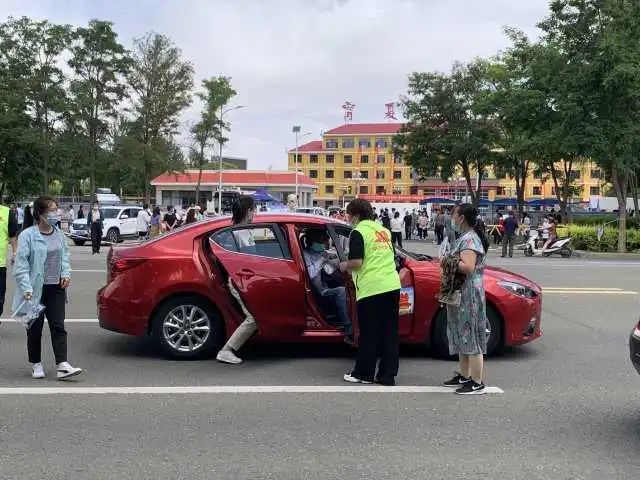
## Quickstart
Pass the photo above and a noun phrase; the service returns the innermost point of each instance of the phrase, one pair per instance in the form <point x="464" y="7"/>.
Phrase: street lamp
<point x="222" y="112"/>
<point x="296" y="130"/>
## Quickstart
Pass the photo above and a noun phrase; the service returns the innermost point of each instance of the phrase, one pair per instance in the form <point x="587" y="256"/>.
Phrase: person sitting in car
<point x="323" y="267"/>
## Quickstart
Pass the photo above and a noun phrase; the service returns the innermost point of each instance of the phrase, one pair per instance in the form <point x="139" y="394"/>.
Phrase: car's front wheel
<point x="79" y="243"/>
<point x="113" y="235"/>
<point x="187" y="327"/>
<point x="440" y="341"/>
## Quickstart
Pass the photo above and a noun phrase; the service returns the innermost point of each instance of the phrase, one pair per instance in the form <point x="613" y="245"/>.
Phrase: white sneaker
<point x="351" y="379"/>
<point x="66" y="371"/>
<point x="37" y="371"/>
<point x="227" y="356"/>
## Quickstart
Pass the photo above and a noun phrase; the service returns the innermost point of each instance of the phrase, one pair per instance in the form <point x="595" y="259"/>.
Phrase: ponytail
<point x="470" y="214"/>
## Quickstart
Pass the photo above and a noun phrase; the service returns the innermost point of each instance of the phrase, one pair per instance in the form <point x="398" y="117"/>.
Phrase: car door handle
<point x="246" y="273"/>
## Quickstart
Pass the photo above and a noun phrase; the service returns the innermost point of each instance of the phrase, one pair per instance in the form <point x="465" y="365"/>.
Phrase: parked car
<point x="186" y="306"/>
<point x="634" y="347"/>
<point x="120" y="222"/>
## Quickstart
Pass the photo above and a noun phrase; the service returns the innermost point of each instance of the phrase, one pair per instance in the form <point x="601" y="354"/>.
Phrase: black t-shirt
<point x="170" y="219"/>
<point x="356" y="246"/>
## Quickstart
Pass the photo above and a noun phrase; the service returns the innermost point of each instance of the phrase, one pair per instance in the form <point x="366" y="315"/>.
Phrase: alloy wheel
<point x="186" y="328"/>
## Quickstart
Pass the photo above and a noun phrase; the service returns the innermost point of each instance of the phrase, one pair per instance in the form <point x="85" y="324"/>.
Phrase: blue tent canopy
<point x="262" y="196"/>
<point x="440" y="200"/>
<point x="483" y="202"/>
<point x="506" y="202"/>
<point x="544" y="202"/>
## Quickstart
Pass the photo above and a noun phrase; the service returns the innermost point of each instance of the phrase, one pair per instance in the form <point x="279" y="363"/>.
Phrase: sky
<point x="296" y="62"/>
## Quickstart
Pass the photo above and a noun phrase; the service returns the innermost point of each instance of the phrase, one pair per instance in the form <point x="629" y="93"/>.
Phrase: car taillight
<point x="124" y="264"/>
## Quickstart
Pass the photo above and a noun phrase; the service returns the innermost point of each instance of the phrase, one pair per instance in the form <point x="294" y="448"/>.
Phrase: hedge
<point x="585" y="237"/>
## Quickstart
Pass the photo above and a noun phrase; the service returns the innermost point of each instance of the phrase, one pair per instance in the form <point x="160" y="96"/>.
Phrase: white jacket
<point x="144" y="220"/>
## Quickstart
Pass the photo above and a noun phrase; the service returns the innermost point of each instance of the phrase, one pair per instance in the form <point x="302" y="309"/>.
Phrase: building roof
<point x="365" y="129"/>
<point x="313" y="146"/>
<point x="234" y="177"/>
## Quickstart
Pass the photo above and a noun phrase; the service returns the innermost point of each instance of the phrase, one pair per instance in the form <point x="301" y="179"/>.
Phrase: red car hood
<point x="501" y="274"/>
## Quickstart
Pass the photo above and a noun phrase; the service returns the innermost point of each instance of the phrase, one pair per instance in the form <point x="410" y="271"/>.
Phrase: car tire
<point x="440" y="341"/>
<point x="174" y="310"/>
<point x="113" y="235"/>
<point x="79" y="243"/>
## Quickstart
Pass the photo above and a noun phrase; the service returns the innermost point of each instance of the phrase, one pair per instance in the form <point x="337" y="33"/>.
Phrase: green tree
<point x="450" y="128"/>
<point x="600" y="85"/>
<point x="217" y="93"/>
<point x="161" y="81"/>
<point x="99" y="64"/>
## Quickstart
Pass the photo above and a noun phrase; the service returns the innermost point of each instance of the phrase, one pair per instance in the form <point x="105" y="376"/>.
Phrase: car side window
<point x="126" y="212"/>
<point x="341" y="239"/>
<point x="263" y="241"/>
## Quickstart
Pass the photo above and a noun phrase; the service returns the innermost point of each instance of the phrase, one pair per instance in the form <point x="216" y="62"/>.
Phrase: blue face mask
<point x="317" y="247"/>
<point x="53" y="219"/>
<point x="456" y="227"/>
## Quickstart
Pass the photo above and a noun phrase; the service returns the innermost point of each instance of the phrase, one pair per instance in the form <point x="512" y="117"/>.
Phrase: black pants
<point x="96" y="237"/>
<point x="407" y="232"/>
<point x="396" y="238"/>
<point x="3" y="287"/>
<point x="378" y="321"/>
<point x="439" y="234"/>
<point x="54" y="299"/>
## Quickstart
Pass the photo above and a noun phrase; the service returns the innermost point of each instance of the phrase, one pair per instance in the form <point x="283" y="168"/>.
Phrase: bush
<point x="585" y="237"/>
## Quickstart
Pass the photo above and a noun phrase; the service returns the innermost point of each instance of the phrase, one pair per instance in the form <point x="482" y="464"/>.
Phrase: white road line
<point x="223" y="389"/>
<point x="66" y="320"/>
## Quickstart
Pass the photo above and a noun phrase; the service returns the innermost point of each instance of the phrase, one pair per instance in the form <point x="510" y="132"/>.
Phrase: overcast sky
<point x="297" y="61"/>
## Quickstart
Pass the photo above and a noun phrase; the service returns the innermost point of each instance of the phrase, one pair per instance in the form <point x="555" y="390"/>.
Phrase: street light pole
<point x="222" y="112"/>
<point x="296" y="129"/>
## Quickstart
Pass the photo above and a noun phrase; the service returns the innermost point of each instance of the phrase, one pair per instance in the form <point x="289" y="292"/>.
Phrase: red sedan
<point x="174" y="288"/>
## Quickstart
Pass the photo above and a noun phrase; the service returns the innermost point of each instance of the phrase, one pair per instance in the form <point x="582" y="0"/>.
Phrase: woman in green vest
<point x="372" y="264"/>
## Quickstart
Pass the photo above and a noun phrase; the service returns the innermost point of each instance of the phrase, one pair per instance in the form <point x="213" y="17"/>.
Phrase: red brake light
<point x="124" y="264"/>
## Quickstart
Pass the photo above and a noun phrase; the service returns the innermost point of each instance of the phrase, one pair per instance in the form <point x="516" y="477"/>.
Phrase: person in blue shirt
<point x="510" y="229"/>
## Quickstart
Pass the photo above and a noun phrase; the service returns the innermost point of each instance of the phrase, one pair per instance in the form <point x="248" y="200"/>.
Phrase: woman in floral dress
<point x="467" y="322"/>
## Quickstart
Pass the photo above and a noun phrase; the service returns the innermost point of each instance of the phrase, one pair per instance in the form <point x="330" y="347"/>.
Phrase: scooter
<point x="533" y="246"/>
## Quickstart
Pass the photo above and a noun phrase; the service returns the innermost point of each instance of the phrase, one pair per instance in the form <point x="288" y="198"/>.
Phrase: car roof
<point x="120" y="206"/>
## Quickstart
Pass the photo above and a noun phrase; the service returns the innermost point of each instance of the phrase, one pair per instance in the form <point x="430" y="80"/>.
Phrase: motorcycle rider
<point x="551" y="229"/>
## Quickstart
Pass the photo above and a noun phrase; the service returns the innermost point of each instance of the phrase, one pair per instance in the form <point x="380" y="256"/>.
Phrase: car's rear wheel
<point x="440" y="341"/>
<point x="79" y="243"/>
<point x="188" y="327"/>
<point x="113" y="235"/>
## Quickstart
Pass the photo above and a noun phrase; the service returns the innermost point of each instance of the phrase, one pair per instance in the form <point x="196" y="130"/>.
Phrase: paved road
<point x="571" y="408"/>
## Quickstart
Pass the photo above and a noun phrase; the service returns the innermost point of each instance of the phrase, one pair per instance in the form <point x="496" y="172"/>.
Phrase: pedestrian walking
<point x="408" y="225"/>
<point x="439" y="226"/>
<point x="467" y="322"/>
<point x="9" y="230"/>
<point x="191" y="216"/>
<point x="28" y="216"/>
<point x="156" y="219"/>
<point x="397" y="225"/>
<point x="510" y="230"/>
<point x="242" y="212"/>
<point x="423" y="225"/>
<point x="96" y="226"/>
<point x="42" y="272"/>
<point x="143" y="222"/>
<point x="81" y="212"/>
<point x="170" y="219"/>
<point x="20" y="216"/>
<point x="372" y="264"/>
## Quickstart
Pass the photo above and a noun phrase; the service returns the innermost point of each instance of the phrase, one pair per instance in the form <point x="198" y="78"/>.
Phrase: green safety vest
<point x="4" y="235"/>
<point x="378" y="271"/>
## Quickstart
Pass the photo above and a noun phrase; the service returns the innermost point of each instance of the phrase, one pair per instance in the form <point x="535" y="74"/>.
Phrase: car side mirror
<point x="124" y="216"/>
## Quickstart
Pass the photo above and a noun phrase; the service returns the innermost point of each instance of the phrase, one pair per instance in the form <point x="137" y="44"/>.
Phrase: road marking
<point x="587" y="290"/>
<point x="223" y="389"/>
<point x="66" y="320"/>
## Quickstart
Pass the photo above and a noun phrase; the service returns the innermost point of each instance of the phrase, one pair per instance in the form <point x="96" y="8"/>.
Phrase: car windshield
<point x="109" y="213"/>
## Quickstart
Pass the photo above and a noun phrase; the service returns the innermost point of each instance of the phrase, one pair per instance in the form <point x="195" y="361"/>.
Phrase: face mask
<point x="53" y="219"/>
<point x="456" y="227"/>
<point x="317" y="247"/>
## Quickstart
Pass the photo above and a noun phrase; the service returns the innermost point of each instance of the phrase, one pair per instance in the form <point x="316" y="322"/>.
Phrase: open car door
<point x="259" y="262"/>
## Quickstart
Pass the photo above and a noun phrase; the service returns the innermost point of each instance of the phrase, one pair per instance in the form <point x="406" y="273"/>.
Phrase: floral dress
<point x="467" y="323"/>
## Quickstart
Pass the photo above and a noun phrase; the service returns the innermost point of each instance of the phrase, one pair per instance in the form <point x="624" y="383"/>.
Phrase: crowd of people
<point x="42" y="273"/>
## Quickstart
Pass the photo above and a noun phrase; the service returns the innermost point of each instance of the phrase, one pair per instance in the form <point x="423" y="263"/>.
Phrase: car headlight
<point x="518" y="289"/>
